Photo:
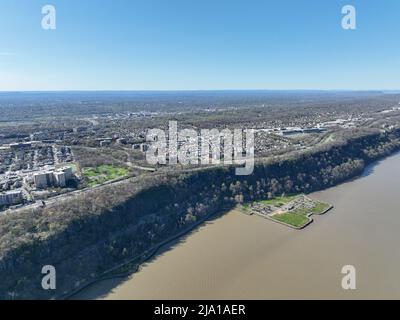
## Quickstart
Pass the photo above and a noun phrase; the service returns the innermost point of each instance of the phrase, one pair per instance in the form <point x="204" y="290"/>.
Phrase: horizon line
<point x="199" y="90"/>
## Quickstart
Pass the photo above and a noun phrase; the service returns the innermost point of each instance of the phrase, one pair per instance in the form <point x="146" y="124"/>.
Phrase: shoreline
<point x="183" y="233"/>
<point x="152" y="252"/>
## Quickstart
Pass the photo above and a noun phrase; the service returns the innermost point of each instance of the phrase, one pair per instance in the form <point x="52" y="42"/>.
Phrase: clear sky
<point x="199" y="45"/>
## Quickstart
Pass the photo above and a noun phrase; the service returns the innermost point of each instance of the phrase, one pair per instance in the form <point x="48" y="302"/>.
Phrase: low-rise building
<point x="105" y="143"/>
<point x="20" y="145"/>
<point x="79" y="129"/>
<point x="143" y="147"/>
<point x="38" y="136"/>
<point x="121" y="141"/>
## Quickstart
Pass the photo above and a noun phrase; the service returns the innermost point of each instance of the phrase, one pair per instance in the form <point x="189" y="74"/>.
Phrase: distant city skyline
<point x="179" y="45"/>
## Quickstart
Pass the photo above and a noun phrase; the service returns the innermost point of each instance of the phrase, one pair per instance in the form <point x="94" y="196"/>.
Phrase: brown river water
<point x="236" y="256"/>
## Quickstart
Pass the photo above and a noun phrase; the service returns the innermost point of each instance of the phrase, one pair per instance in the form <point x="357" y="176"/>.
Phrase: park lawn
<point x="278" y="201"/>
<point x="101" y="174"/>
<point x="320" y="207"/>
<point x="293" y="219"/>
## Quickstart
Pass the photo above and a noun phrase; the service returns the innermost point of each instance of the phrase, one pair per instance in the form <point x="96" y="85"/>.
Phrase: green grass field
<point x="296" y="220"/>
<point x="278" y="201"/>
<point x="320" y="207"/>
<point x="98" y="175"/>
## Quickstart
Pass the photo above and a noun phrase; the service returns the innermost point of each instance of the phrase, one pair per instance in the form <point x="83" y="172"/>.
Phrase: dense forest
<point x="87" y="235"/>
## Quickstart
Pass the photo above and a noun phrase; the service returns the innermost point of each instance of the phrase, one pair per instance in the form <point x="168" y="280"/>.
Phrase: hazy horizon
<point x="205" y="90"/>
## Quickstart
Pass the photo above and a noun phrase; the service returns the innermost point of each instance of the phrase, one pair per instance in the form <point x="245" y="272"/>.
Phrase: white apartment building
<point x="10" y="198"/>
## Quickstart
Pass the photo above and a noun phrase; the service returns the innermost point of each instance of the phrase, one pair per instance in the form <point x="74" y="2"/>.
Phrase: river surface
<point x="236" y="256"/>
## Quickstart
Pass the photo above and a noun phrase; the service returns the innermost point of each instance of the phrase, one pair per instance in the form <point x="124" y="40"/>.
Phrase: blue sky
<point x="199" y="45"/>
